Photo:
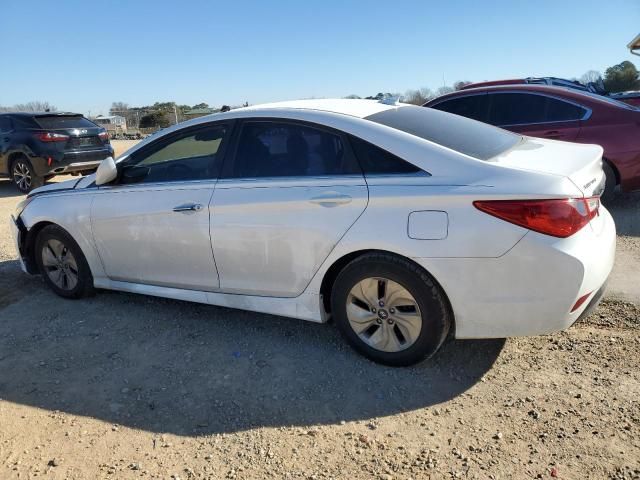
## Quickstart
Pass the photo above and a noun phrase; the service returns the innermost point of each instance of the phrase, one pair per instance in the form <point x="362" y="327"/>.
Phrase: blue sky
<point x="82" y="55"/>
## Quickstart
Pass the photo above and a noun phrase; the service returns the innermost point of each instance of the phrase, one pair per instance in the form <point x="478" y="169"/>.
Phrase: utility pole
<point x="175" y="112"/>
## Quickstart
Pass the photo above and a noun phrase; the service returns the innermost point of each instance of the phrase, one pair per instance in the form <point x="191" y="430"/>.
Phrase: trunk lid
<point x="581" y="163"/>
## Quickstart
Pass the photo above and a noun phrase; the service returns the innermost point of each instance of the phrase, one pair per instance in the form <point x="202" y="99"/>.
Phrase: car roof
<point x="43" y="114"/>
<point x="566" y="92"/>
<point x="359" y="108"/>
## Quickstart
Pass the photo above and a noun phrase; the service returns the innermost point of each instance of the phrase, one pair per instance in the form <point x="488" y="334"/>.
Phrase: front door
<point x="283" y="203"/>
<point x="153" y="226"/>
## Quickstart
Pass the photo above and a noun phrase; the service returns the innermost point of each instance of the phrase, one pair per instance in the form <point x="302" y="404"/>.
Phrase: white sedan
<point x="404" y="224"/>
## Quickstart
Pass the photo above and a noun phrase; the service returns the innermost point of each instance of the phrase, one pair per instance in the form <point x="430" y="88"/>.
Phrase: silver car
<point x="403" y="224"/>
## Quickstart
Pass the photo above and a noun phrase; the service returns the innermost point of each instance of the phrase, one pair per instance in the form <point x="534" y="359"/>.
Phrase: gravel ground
<point x="126" y="386"/>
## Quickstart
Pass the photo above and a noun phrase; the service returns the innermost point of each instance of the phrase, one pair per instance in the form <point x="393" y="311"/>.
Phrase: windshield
<point x="461" y="134"/>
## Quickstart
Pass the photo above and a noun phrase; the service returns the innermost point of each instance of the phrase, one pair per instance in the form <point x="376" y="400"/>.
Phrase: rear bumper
<point x="71" y="161"/>
<point x="531" y="289"/>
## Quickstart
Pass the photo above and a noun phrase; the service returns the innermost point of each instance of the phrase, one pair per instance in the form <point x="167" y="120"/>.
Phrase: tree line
<point x="621" y="77"/>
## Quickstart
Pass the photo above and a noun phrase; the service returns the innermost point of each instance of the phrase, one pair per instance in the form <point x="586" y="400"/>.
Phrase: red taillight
<point x="52" y="137"/>
<point x="104" y="136"/>
<point x="556" y="217"/>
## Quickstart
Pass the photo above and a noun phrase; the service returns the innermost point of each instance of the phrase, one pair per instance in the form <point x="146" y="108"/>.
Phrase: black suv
<point x="36" y="146"/>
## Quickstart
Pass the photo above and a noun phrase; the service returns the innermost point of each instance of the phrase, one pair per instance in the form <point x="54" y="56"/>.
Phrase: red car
<point x="562" y="114"/>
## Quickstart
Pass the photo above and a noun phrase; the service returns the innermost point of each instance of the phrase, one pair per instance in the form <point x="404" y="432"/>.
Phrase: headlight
<point x="22" y="204"/>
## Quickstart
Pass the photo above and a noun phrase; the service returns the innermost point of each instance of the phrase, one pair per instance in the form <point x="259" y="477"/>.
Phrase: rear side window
<point x="64" y="121"/>
<point x="559" y="111"/>
<point x="279" y="149"/>
<point x="469" y="137"/>
<point x="376" y="161"/>
<point x="472" y="106"/>
<point x="524" y="108"/>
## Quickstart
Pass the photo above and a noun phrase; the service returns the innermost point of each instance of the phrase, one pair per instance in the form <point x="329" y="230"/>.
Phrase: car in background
<point x="559" y="114"/>
<point x="402" y="223"/>
<point x="37" y="146"/>
<point x="632" y="98"/>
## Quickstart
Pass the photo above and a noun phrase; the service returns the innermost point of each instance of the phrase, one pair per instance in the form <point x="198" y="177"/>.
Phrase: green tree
<point x="200" y="105"/>
<point x="154" y="120"/>
<point x="622" y="77"/>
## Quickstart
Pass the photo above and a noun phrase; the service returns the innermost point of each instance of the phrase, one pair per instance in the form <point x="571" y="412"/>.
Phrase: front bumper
<point x="17" y="232"/>
<point x="531" y="289"/>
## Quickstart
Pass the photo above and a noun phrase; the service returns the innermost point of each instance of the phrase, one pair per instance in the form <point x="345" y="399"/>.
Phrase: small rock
<point x="498" y="436"/>
<point x="54" y="462"/>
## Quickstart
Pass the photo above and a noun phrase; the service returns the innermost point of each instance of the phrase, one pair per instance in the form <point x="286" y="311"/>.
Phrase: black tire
<point x="434" y="309"/>
<point x="83" y="286"/>
<point x="610" y="183"/>
<point x="23" y="175"/>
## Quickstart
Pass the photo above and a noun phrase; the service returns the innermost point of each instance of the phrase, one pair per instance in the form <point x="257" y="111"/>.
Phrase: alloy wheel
<point x="22" y="176"/>
<point x="384" y="314"/>
<point x="60" y="264"/>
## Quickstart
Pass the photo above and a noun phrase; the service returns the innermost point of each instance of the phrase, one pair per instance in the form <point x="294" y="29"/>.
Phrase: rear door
<point x="290" y="193"/>
<point x="536" y="115"/>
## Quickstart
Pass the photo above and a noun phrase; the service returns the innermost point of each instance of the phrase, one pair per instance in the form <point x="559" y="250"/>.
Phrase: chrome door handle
<point x="188" y="207"/>
<point x="331" y="199"/>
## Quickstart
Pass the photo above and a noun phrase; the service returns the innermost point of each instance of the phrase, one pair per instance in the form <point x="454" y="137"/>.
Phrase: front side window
<point x="472" y="106"/>
<point x="191" y="155"/>
<point x="274" y="149"/>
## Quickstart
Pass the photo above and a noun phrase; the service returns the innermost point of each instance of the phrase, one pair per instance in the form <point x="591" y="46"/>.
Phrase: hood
<point x="55" y="187"/>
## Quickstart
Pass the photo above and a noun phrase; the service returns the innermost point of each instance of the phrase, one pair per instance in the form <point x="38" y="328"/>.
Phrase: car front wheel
<point x="390" y="310"/>
<point x="62" y="263"/>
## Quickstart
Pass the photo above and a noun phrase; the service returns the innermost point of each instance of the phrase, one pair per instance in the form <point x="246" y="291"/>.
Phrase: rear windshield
<point x="66" y="121"/>
<point x="461" y="134"/>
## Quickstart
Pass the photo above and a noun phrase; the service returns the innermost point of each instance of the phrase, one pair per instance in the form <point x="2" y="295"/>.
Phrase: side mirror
<point x="107" y="171"/>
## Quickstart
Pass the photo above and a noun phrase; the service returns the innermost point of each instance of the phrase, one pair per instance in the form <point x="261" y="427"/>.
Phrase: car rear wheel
<point x="23" y="175"/>
<point x="62" y="263"/>
<point x="390" y="310"/>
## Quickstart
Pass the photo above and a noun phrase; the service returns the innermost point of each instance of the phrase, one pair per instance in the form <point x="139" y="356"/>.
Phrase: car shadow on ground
<point x="625" y="210"/>
<point x="8" y="189"/>
<point x="188" y="369"/>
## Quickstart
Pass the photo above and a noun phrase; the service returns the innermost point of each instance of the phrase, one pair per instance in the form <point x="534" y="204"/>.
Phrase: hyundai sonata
<point x="404" y="224"/>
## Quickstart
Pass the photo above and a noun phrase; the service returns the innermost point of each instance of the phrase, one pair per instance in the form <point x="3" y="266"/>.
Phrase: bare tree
<point x="461" y="83"/>
<point x="418" y="97"/>
<point x="444" y="90"/>
<point x="117" y="108"/>
<point x="590" y="77"/>
<point x="33" y="106"/>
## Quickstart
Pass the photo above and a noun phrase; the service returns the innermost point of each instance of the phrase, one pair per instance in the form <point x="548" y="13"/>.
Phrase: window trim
<point x="168" y="138"/>
<point x="234" y="144"/>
